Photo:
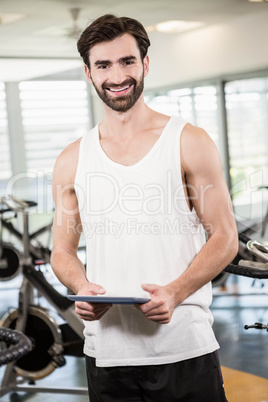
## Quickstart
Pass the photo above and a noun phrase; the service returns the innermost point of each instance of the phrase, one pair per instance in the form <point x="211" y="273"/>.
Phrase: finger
<point x="164" y="322"/>
<point x="151" y="305"/>
<point x="156" y="313"/>
<point x="100" y="306"/>
<point x="92" y="289"/>
<point x="99" y="316"/>
<point x="92" y="306"/>
<point x="83" y="308"/>
<point x="159" y="310"/>
<point x="149" y="287"/>
<point x="144" y="306"/>
<point x="160" y="319"/>
<point x="98" y="290"/>
<point x="92" y="315"/>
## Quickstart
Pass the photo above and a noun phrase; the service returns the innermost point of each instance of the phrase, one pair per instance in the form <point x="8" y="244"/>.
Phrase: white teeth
<point x="118" y="90"/>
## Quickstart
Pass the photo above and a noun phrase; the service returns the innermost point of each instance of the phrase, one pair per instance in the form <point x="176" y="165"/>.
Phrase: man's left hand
<point x="161" y="306"/>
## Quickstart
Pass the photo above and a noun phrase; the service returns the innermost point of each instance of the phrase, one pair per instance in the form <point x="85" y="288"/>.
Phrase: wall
<point x="236" y="47"/>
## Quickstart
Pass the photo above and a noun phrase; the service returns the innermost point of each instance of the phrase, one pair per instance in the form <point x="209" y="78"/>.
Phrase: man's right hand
<point x="91" y="311"/>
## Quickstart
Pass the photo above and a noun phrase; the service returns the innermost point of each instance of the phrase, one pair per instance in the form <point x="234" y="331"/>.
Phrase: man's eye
<point x="128" y="63"/>
<point x="102" y="67"/>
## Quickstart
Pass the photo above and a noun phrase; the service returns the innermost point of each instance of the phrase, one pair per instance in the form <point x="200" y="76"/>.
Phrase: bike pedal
<point x="59" y="360"/>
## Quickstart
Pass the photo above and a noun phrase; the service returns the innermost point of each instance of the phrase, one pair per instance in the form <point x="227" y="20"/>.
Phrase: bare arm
<point x="207" y="189"/>
<point x="65" y="262"/>
<point x="66" y="234"/>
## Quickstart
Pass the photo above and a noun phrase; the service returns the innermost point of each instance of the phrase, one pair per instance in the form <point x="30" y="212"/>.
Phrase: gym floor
<point x="242" y="301"/>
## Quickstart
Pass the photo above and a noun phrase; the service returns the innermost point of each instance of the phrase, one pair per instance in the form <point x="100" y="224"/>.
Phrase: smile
<point x="118" y="90"/>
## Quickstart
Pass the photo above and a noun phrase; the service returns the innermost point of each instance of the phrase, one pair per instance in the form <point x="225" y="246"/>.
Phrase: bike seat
<point x="30" y="203"/>
<point x="11" y="203"/>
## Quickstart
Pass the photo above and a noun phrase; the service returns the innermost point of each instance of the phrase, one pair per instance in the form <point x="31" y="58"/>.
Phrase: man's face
<point x="117" y="72"/>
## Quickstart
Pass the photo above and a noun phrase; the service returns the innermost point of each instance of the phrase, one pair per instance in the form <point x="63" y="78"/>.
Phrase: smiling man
<point x="159" y="179"/>
<point x="129" y="91"/>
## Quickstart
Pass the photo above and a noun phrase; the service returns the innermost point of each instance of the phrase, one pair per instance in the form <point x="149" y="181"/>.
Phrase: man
<point x="145" y="187"/>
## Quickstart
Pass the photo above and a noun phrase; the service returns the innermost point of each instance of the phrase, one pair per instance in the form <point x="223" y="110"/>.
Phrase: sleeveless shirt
<point x="139" y="229"/>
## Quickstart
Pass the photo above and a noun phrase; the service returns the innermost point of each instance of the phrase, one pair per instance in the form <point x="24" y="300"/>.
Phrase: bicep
<point x="66" y="223"/>
<point x="206" y="185"/>
<point x="212" y="202"/>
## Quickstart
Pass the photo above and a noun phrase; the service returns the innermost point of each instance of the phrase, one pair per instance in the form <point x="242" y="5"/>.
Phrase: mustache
<point x="125" y="83"/>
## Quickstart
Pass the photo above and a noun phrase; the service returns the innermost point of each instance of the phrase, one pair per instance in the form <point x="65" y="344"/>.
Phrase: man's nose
<point x="117" y="75"/>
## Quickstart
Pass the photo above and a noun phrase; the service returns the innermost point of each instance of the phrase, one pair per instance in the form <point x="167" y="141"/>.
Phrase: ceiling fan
<point x="72" y="31"/>
<point x="75" y="31"/>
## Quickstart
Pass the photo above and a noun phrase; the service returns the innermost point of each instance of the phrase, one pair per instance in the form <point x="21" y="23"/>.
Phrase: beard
<point x="121" y="104"/>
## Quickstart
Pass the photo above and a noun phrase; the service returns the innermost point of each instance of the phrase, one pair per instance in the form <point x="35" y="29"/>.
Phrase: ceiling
<point x="40" y="28"/>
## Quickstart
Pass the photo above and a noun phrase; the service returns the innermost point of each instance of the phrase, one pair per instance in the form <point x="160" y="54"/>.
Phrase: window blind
<point x="54" y="114"/>
<point x="5" y="160"/>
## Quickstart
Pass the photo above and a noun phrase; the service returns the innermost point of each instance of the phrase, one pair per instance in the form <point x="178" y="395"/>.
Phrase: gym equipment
<point x="247" y="228"/>
<point x="256" y="264"/>
<point x="21" y="345"/>
<point x="257" y="325"/>
<point x="255" y="267"/>
<point x="250" y="251"/>
<point x="51" y="340"/>
<point x="10" y="257"/>
<point x="9" y="262"/>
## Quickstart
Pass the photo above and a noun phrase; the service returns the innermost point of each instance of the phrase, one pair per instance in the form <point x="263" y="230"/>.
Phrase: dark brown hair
<point x="109" y="27"/>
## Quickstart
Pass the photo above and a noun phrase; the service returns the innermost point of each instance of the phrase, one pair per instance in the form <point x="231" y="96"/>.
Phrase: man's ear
<point x="146" y="65"/>
<point x="88" y="75"/>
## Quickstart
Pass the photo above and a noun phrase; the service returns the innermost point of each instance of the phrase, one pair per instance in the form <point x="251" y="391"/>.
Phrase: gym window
<point x="235" y="114"/>
<point x="197" y="105"/>
<point x="5" y="161"/>
<point x="54" y="114"/>
<point x="247" y="117"/>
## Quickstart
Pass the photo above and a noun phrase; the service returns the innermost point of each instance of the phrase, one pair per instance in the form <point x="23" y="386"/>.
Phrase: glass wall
<point x="247" y="118"/>
<point x="39" y="118"/>
<point x="54" y="114"/>
<point x="5" y="160"/>
<point x="243" y="143"/>
<point x="197" y="105"/>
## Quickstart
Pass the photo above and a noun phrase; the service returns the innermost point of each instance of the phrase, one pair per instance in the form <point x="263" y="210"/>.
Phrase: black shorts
<point x="193" y="380"/>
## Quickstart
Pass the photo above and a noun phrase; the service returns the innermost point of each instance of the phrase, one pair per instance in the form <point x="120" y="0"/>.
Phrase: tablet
<point x="109" y="299"/>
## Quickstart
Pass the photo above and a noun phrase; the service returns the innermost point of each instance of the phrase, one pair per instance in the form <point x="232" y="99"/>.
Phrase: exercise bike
<point x="19" y="345"/>
<point x="51" y="340"/>
<point x="246" y="230"/>
<point x="10" y="256"/>
<point x="254" y="266"/>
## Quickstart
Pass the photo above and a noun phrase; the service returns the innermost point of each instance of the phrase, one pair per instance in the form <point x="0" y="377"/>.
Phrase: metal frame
<point x="11" y="381"/>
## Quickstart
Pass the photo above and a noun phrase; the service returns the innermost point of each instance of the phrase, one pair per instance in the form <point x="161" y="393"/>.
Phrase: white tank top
<point x="138" y="229"/>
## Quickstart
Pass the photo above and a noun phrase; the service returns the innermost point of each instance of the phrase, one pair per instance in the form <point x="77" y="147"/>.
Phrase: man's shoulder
<point x="70" y="152"/>
<point x="66" y="162"/>
<point x="195" y="138"/>
<point x="197" y="148"/>
<point x="194" y="133"/>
